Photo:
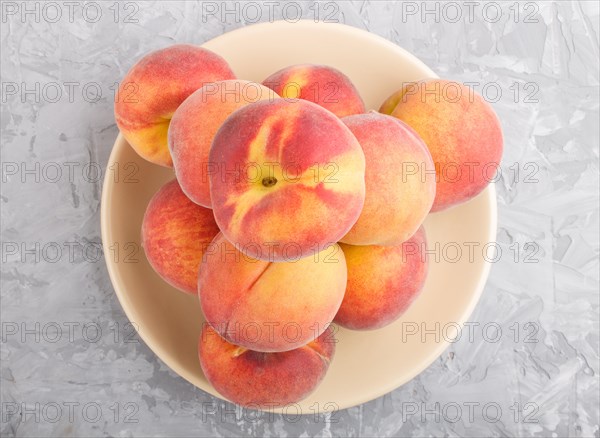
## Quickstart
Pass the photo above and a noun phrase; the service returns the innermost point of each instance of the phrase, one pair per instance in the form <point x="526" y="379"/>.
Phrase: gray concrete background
<point x="70" y="364"/>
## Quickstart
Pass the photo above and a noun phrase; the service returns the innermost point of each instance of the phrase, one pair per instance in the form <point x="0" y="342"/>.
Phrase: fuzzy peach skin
<point x="270" y="306"/>
<point x="195" y="124"/>
<point x="399" y="178"/>
<point x="175" y="233"/>
<point x="264" y="380"/>
<point x="153" y="89"/>
<point x="321" y="84"/>
<point x="290" y="179"/>
<point x="461" y="131"/>
<point x="383" y="281"/>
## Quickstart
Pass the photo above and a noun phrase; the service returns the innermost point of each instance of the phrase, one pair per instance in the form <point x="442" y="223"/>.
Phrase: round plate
<point x="366" y="364"/>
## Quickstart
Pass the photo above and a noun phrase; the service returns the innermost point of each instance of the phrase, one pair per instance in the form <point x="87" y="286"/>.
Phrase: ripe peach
<point x="264" y="380"/>
<point x="399" y="178"/>
<point x="266" y="306"/>
<point x="461" y="131"/>
<point x="153" y="89"/>
<point x="175" y="233"/>
<point x="383" y="281"/>
<point x="320" y="84"/>
<point x="195" y="124"/>
<point x="291" y="177"/>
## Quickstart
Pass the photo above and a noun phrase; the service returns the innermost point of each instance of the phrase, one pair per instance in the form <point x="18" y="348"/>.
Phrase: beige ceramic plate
<point x="367" y="364"/>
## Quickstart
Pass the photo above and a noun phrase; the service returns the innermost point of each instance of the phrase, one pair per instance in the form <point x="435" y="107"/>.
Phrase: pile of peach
<point x="293" y="207"/>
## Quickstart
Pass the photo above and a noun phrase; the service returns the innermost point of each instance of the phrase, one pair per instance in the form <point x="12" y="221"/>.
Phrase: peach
<point x="290" y="179"/>
<point x="153" y="89"/>
<point x="461" y="131"/>
<point x="175" y="233"/>
<point x="270" y="306"/>
<point x="195" y="124"/>
<point x="399" y="178"/>
<point x="320" y="84"/>
<point x="383" y="281"/>
<point x="264" y="380"/>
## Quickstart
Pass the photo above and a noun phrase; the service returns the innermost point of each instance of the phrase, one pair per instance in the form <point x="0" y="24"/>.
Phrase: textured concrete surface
<point x="70" y="364"/>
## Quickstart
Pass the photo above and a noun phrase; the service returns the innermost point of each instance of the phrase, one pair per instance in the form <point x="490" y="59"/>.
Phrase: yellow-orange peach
<point x="383" y="281"/>
<point x="290" y="179"/>
<point x="270" y="306"/>
<point x="264" y="380"/>
<point x="153" y="89"/>
<point x="320" y="84"/>
<point x="175" y="233"/>
<point x="399" y="178"/>
<point x="195" y="124"/>
<point x="461" y="131"/>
